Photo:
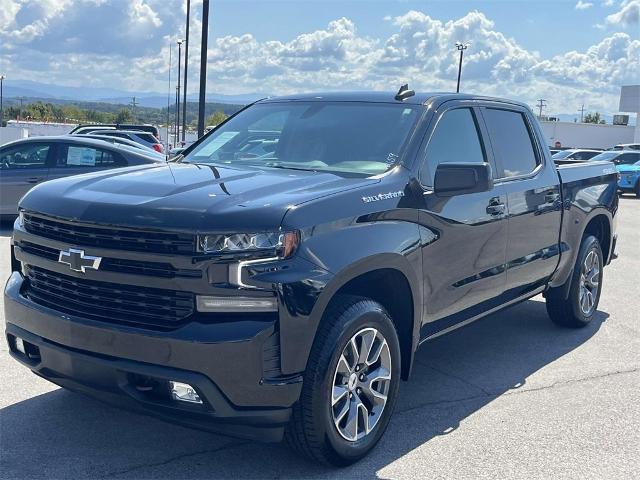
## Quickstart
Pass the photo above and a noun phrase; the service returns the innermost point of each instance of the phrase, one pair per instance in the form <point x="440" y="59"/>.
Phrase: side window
<point x="78" y="156"/>
<point x="455" y="139"/>
<point x="627" y="159"/>
<point x="31" y="155"/>
<point x="512" y="141"/>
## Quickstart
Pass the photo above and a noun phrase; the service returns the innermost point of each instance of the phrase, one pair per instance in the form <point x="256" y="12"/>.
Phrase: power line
<point x="582" y="113"/>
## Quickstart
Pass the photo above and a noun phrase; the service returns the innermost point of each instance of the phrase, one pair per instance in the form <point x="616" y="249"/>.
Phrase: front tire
<point x="350" y="384"/>
<point x="579" y="307"/>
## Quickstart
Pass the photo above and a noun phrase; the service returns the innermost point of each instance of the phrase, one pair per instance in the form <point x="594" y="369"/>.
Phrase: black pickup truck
<point x="276" y="280"/>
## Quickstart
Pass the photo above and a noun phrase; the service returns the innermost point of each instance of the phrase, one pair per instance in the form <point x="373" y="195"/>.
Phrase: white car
<point x="576" y="154"/>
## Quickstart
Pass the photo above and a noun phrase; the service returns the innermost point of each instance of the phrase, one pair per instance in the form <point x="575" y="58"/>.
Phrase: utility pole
<point x="169" y="98"/>
<point x="20" y="111"/>
<point x="178" y="94"/>
<point x="541" y="104"/>
<point x="186" y="64"/>
<point x="203" y="66"/>
<point x="2" y="77"/>
<point x="461" y="48"/>
<point x="133" y="108"/>
<point x="582" y="113"/>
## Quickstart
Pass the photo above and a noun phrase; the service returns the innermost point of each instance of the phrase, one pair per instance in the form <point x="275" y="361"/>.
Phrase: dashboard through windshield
<point x="350" y="137"/>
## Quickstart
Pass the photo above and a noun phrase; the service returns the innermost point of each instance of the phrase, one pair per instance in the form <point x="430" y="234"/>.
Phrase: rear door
<point x="532" y="186"/>
<point x="22" y="167"/>
<point x="465" y="236"/>
<point x="74" y="159"/>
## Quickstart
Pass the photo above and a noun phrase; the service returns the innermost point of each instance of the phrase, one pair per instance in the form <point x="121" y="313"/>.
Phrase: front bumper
<point x="225" y="363"/>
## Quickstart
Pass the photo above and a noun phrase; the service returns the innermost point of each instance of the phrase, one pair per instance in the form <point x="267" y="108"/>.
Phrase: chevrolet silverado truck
<point x="275" y="280"/>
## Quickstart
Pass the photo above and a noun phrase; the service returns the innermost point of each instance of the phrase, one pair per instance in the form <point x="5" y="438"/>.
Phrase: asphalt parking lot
<point x="511" y="396"/>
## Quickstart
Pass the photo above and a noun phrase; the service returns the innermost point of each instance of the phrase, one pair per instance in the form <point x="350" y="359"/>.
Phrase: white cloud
<point x="60" y="48"/>
<point x="627" y="16"/>
<point x="583" y="5"/>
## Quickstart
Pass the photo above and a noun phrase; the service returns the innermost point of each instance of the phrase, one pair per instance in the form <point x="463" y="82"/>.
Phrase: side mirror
<point x="461" y="178"/>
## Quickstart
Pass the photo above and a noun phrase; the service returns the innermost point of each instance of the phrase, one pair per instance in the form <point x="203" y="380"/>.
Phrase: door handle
<point x="496" y="207"/>
<point x="551" y="197"/>
<point x="34" y="179"/>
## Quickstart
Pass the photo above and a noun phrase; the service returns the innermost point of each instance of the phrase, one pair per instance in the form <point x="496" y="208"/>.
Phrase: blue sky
<point x="569" y="52"/>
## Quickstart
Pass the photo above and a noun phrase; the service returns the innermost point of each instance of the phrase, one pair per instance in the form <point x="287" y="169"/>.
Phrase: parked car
<point x="89" y="128"/>
<point x="124" y="141"/>
<point x="627" y="146"/>
<point x="618" y="157"/>
<point x="285" y="294"/>
<point x="629" y="178"/>
<point x="28" y="162"/>
<point x="576" y="154"/>
<point x="143" y="138"/>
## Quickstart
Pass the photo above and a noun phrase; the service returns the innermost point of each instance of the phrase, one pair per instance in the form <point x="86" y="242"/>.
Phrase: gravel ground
<point x="511" y="396"/>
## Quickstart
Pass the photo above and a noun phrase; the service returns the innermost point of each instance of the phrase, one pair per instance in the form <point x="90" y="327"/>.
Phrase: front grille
<point x="119" y="265"/>
<point x="109" y="237"/>
<point x="109" y="302"/>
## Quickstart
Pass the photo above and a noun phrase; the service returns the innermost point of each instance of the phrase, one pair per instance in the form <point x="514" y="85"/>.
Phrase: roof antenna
<point x="404" y="93"/>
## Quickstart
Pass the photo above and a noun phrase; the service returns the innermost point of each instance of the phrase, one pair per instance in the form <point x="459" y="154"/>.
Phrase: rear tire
<point x="342" y="380"/>
<point x="578" y="308"/>
<point x="637" y="189"/>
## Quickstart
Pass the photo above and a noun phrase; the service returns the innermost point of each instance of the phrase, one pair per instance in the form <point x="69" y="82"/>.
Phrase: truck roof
<point x="420" y="98"/>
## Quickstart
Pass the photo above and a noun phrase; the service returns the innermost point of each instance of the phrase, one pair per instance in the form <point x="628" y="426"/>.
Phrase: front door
<point x="22" y="166"/>
<point x="464" y="236"/>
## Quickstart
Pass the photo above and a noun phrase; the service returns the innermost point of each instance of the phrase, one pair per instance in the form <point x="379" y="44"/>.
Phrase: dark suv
<point x="277" y="279"/>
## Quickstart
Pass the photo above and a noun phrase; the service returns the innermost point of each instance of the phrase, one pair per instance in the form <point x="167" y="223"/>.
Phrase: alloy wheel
<point x="361" y="384"/>
<point x="589" y="283"/>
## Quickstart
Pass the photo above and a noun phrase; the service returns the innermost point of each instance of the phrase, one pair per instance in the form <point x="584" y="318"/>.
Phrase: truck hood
<point x="182" y="196"/>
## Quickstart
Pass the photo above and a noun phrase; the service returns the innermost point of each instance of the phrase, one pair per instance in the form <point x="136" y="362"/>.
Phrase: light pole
<point x="203" y="66"/>
<point x="178" y="93"/>
<point x="2" y="77"/>
<point x="461" y="48"/>
<point x="169" y="100"/>
<point x="186" y="64"/>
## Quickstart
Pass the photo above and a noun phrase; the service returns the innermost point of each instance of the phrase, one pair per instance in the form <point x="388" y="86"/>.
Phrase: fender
<point x="397" y="247"/>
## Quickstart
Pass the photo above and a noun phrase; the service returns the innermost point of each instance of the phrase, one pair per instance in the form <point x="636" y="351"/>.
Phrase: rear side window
<point x="454" y="140"/>
<point x="584" y="155"/>
<point x="81" y="156"/>
<point x="147" y="137"/>
<point x="512" y="141"/>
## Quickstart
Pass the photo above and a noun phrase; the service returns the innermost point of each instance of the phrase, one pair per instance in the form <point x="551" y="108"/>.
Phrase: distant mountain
<point x="28" y="88"/>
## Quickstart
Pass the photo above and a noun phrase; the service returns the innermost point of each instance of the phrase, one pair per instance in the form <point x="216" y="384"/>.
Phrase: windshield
<point x="562" y="154"/>
<point x="608" y="156"/>
<point x="350" y="137"/>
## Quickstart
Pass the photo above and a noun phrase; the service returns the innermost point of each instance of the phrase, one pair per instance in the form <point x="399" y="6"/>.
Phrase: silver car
<point x="25" y="163"/>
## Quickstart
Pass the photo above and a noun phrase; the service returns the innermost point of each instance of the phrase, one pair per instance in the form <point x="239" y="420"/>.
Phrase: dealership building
<point x="591" y="135"/>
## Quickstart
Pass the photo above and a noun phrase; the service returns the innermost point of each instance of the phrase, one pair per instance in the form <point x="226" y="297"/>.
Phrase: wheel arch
<point x="389" y="280"/>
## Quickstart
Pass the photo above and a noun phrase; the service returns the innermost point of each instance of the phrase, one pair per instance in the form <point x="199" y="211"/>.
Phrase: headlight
<point x="21" y="218"/>
<point x="282" y="244"/>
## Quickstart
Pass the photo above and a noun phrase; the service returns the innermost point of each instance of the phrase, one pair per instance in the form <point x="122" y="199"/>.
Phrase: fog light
<point x="236" y="304"/>
<point x="20" y="346"/>
<point x="184" y="392"/>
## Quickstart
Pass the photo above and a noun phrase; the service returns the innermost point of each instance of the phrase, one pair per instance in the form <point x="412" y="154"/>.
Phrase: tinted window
<point x="82" y="156"/>
<point x="454" y="140"/>
<point x="627" y="159"/>
<point x="583" y="155"/>
<point x="511" y="141"/>
<point x="147" y="137"/>
<point x="31" y="155"/>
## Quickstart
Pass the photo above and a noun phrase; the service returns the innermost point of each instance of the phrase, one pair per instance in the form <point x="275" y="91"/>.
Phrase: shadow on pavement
<point x="63" y="435"/>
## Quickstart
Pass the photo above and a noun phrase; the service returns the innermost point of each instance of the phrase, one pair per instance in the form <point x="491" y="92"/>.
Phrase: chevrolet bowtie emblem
<point x="78" y="261"/>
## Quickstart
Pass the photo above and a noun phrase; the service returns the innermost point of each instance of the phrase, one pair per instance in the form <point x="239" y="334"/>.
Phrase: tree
<point x="594" y="118"/>
<point x="123" y="116"/>
<point x="216" y="118"/>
